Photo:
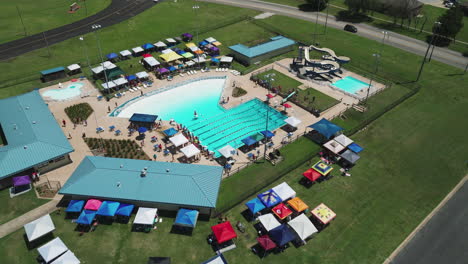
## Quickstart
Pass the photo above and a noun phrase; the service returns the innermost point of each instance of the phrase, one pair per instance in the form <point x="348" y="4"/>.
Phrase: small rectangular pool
<point x="350" y="85"/>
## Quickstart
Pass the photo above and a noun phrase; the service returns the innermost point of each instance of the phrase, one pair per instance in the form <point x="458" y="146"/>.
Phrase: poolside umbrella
<point x="266" y="243"/>
<point x="186" y="217"/>
<point x="142" y="129"/>
<point x="112" y="55"/>
<point x="227" y="166"/>
<point x="86" y="217"/>
<point x="117" y="132"/>
<point x="312" y="174"/>
<point x="146" y="55"/>
<point x="223" y="232"/>
<point x="131" y="77"/>
<point x="255" y="205"/>
<point x="170" y="132"/>
<point x="159" y="260"/>
<point x="281" y="211"/>
<point x="125" y="209"/>
<point x="267" y="133"/>
<point x="355" y="148"/>
<point x="282" y="235"/>
<point x="269" y="96"/>
<point x="269" y="198"/>
<point x="75" y="206"/>
<point x="112" y="127"/>
<point x="108" y="208"/>
<point x="287" y="105"/>
<point x="93" y="204"/>
<point x="326" y="128"/>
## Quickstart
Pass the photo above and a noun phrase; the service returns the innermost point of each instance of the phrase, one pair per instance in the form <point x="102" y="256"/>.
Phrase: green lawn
<point x="16" y="206"/>
<point x="41" y="15"/>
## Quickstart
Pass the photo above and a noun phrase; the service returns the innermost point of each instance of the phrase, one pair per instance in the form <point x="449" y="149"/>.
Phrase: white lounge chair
<point x="195" y="72"/>
<point x="202" y="70"/>
<point x="182" y="75"/>
<point x="145" y="86"/>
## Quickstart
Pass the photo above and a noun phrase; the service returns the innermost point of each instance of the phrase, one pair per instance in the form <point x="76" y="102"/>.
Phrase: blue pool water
<point x="68" y="92"/>
<point x="350" y="85"/>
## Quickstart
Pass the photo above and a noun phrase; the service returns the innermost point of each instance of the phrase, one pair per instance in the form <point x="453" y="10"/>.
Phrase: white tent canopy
<point x="39" y="227"/>
<point x="160" y="44"/>
<point x="194" y="48"/>
<point x="107" y="64"/>
<point x="120" y="81"/>
<point x="199" y="60"/>
<point x="145" y="216"/>
<point x="268" y="221"/>
<point x="190" y="63"/>
<point x="284" y="191"/>
<point x="137" y="49"/>
<point x="151" y="61"/>
<point x="170" y="40"/>
<point x="73" y="67"/>
<point x="227" y="151"/>
<point x="303" y="226"/>
<point x="210" y="40"/>
<point x="108" y="85"/>
<point x="190" y="151"/>
<point x="226" y="59"/>
<point x="166" y="51"/>
<point x="52" y="249"/>
<point x="142" y="75"/>
<point x="178" y="140"/>
<point x="125" y="53"/>
<point x="343" y="140"/>
<point x="293" y="121"/>
<point x="67" y="258"/>
<point x="334" y="146"/>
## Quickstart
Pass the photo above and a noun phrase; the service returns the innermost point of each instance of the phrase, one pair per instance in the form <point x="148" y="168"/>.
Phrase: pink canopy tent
<point x="93" y="204"/>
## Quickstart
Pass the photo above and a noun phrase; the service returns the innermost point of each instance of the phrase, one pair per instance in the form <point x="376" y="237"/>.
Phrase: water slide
<point x="322" y="66"/>
<point x="331" y="53"/>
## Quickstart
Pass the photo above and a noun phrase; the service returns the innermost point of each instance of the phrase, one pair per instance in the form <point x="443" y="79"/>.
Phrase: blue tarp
<point x="147" y="46"/>
<point x="186" y="217"/>
<point x="112" y="55"/>
<point x="268" y="134"/>
<point x="215" y="60"/>
<point x="249" y="141"/>
<point x="125" y="209"/>
<point x="86" y="217"/>
<point x="108" y="208"/>
<point x="355" y="148"/>
<point x="255" y="205"/>
<point x="326" y="128"/>
<point x="269" y="198"/>
<point x="143" y="118"/>
<point x="53" y="70"/>
<point x="75" y="206"/>
<point x="203" y="43"/>
<point x="131" y="77"/>
<point x="170" y="132"/>
<point x="172" y="68"/>
<point x="282" y="235"/>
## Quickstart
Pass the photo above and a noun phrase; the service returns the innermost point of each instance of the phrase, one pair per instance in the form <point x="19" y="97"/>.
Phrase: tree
<point x="450" y="23"/>
<point x="359" y="6"/>
<point x="317" y="5"/>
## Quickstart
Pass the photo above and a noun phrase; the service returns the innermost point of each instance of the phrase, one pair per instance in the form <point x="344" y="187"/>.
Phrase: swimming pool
<point x="68" y="92"/>
<point x="350" y="85"/>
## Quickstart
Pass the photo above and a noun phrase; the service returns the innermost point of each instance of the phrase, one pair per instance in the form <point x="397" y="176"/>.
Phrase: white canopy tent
<point x="190" y="63"/>
<point x="160" y="44"/>
<point x="268" y="221"/>
<point x="166" y="51"/>
<point x="199" y="60"/>
<point x="284" y="191"/>
<point x="227" y="151"/>
<point x="334" y="146"/>
<point x="67" y="258"/>
<point x="178" y="140"/>
<point x="293" y="121"/>
<point x="52" y="249"/>
<point x="137" y="50"/>
<point x="226" y="59"/>
<point x="142" y="75"/>
<point x="151" y="61"/>
<point x="125" y="53"/>
<point x="108" y="85"/>
<point x="171" y="40"/>
<point x="210" y="40"/>
<point x="190" y="151"/>
<point x="195" y="48"/>
<point x="145" y="216"/>
<point x="39" y="227"/>
<point x="73" y="67"/>
<point x="120" y="81"/>
<point x="303" y="226"/>
<point x="343" y="140"/>
<point x="107" y="64"/>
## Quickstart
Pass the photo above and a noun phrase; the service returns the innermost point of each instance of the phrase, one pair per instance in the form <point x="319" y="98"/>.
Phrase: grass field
<point x="41" y="15"/>
<point x="16" y="206"/>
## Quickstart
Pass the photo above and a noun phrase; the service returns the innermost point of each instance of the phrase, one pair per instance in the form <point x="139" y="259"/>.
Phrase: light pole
<point x="434" y="35"/>
<point x="377" y="61"/>
<point x="96" y="27"/>
<point x="86" y="51"/>
<point x="195" y="9"/>
<point x="424" y="59"/>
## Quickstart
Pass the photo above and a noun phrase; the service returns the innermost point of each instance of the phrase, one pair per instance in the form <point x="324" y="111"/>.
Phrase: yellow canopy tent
<point x="170" y="56"/>
<point x="189" y="45"/>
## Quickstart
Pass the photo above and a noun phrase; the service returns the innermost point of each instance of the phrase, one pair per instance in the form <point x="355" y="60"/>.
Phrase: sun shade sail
<point x="326" y="128"/>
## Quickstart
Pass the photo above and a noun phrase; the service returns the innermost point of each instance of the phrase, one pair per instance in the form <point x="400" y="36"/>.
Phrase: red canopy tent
<point x="146" y="55"/>
<point x="266" y="243"/>
<point x="311" y="174"/>
<point x="224" y="232"/>
<point x="270" y="96"/>
<point x="281" y="211"/>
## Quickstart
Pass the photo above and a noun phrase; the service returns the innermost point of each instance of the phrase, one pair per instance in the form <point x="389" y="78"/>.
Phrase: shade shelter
<point x="190" y="151"/>
<point x="75" y="206"/>
<point x="108" y="208"/>
<point x="148" y="46"/>
<point x="150" y="63"/>
<point x="178" y="140"/>
<point x="143" y="120"/>
<point x="268" y="221"/>
<point x="350" y="156"/>
<point x="112" y="56"/>
<point x="282" y="235"/>
<point x="284" y="191"/>
<point x="125" y="54"/>
<point x="224" y="232"/>
<point x="266" y="243"/>
<point x="124" y="209"/>
<point x="186" y="218"/>
<point x="218" y="259"/>
<point x="323" y="213"/>
<point x="52" y="249"/>
<point x="86" y="217"/>
<point x="293" y="121"/>
<point x="142" y="75"/>
<point x="120" y="81"/>
<point x="170" y="56"/>
<point x="312" y="175"/>
<point x="334" y="146"/>
<point x="303" y="227"/>
<point x="187" y="36"/>
<point x="39" y="227"/>
<point x="171" y="42"/>
<point x="281" y="211"/>
<point x="53" y="74"/>
<point x="159" y="260"/>
<point x="170" y="132"/>
<point x="343" y="140"/>
<point x="269" y="198"/>
<point x="73" y="69"/>
<point x="67" y="258"/>
<point x="21" y="183"/>
<point x="227" y="151"/>
<point x="92" y="204"/>
<point x="145" y="218"/>
<point x="160" y="45"/>
<point x="137" y="51"/>
<point x="210" y="40"/>
<point x="298" y="205"/>
<point x="255" y="205"/>
<point x="326" y="128"/>
<point x="355" y="148"/>
<point x="267" y="134"/>
<point x="322" y="168"/>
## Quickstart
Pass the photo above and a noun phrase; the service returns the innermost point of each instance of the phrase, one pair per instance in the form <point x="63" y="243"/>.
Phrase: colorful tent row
<point x="106" y="208"/>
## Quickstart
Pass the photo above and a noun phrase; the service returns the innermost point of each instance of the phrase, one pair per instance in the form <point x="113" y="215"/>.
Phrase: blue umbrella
<point x="282" y="235"/>
<point x="75" y="206"/>
<point x="125" y="209"/>
<point x="142" y="129"/>
<point x="86" y="217"/>
<point x="255" y="205"/>
<point x="112" y="127"/>
<point x="117" y="132"/>
<point x="228" y="166"/>
<point x="269" y="198"/>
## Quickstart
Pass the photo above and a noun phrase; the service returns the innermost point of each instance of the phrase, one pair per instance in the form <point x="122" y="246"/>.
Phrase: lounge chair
<point x="202" y="70"/>
<point x="138" y="88"/>
<point x="182" y="75"/>
<point x="195" y="72"/>
<point x="217" y="69"/>
<point x="145" y="86"/>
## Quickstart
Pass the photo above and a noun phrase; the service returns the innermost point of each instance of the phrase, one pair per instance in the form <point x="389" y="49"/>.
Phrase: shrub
<point x="79" y="112"/>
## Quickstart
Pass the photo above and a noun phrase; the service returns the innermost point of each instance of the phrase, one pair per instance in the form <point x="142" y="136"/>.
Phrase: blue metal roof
<point x="53" y="70"/>
<point x="165" y="182"/>
<point x="275" y="43"/>
<point x="32" y="133"/>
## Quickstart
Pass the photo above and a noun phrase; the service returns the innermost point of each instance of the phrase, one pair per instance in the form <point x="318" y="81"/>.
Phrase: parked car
<point x="350" y="28"/>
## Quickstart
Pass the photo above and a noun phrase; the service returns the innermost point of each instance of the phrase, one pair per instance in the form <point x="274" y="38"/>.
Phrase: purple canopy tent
<point x="21" y="180"/>
<point x="187" y="35"/>
<point x="163" y="70"/>
<point x="214" y="51"/>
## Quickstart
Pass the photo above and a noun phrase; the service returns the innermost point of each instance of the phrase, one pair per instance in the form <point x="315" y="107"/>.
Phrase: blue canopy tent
<point x="172" y="68"/>
<point x="326" y="128"/>
<point x="180" y="52"/>
<point x="170" y="132"/>
<point x="131" y="77"/>
<point x="355" y="148"/>
<point x="125" y="209"/>
<point x="203" y="43"/>
<point x="255" y="205"/>
<point x="268" y="133"/>
<point x="215" y="60"/>
<point x="108" y="208"/>
<point x="249" y="141"/>
<point x="75" y="206"/>
<point x="147" y="46"/>
<point x="86" y="217"/>
<point x="282" y="235"/>
<point x="269" y="198"/>
<point x="186" y="218"/>
<point x="112" y="56"/>
<point x="142" y="129"/>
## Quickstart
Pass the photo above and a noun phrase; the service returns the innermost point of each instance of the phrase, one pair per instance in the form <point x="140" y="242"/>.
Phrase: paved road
<point x="117" y="11"/>
<point x="403" y="42"/>
<point x="444" y="239"/>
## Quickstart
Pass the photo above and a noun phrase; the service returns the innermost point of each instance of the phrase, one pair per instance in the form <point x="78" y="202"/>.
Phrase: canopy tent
<point x="107" y="65"/>
<point x="227" y="151"/>
<point x="39" y="227"/>
<point x="203" y="43"/>
<point x="334" y="146"/>
<point x="297" y="204"/>
<point x="143" y="118"/>
<point x="286" y="105"/>
<point x="210" y="40"/>
<point x="190" y="151"/>
<point x="108" y="85"/>
<point x="52" y="249"/>
<point x="323" y="213"/>
<point x="108" y="208"/>
<point x="125" y="209"/>
<point x="266" y="243"/>
<point x="292" y="121"/>
<point x="163" y="70"/>
<point x="120" y="81"/>
<point x="216" y="43"/>
<point x="186" y="217"/>
<point x="171" y="40"/>
<point x="218" y="259"/>
<point x="326" y="128"/>
<point x="172" y="68"/>
<point x="151" y="61"/>
<point x="350" y="156"/>
<point x="131" y="77"/>
<point x="86" y="217"/>
<point x="125" y="53"/>
<point x="137" y="50"/>
<point x="170" y="56"/>
<point x="147" y="46"/>
<point x="269" y="198"/>
<point x="355" y="148"/>
<point x="215" y="60"/>
<point x="282" y="235"/>
<point x="112" y="55"/>
<point x="190" y="63"/>
<point x="226" y="59"/>
<point x="269" y="96"/>
<point x="267" y="133"/>
<point x="146" y="55"/>
<point x="145" y="216"/>
<point x="322" y="168"/>
<point x="67" y="258"/>
<point x="187" y="55"/>
<point x="159" y="260"/>
<point x="187" y="35"/>
<point x="281" y="211"/>
<point x="249" y="141"/>
<point x="223" y="232"/>
<point x="312" y="174"/>
<point x="268" y="221"/>
<point x="165" y="51"/>
<point x="142" y="130"/>
<point x="75" y="206"/>
<point x="92" y="204"/>
<point x="190" y="45"/>
<point x="170" y="132"/>
<point x="255" y="205"/>
<point x="142" y="75"/>
<point x="343" y="140"/>
<point x="199" y="60"/>
<point x="214" y="49"/>
<point x="21" y="180"/>
<point x="160" y="44"/>
<point x="284" y="191"/>
<point x="74" y="67"/>
<point x="303" y="227"/>
<point x="178" y="140"/>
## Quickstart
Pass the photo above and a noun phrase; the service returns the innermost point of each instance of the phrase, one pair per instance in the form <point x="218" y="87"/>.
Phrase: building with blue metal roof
<point x="32" y="138"/>
<point x="163" y="185"/>
<point x="250" y="55"/>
